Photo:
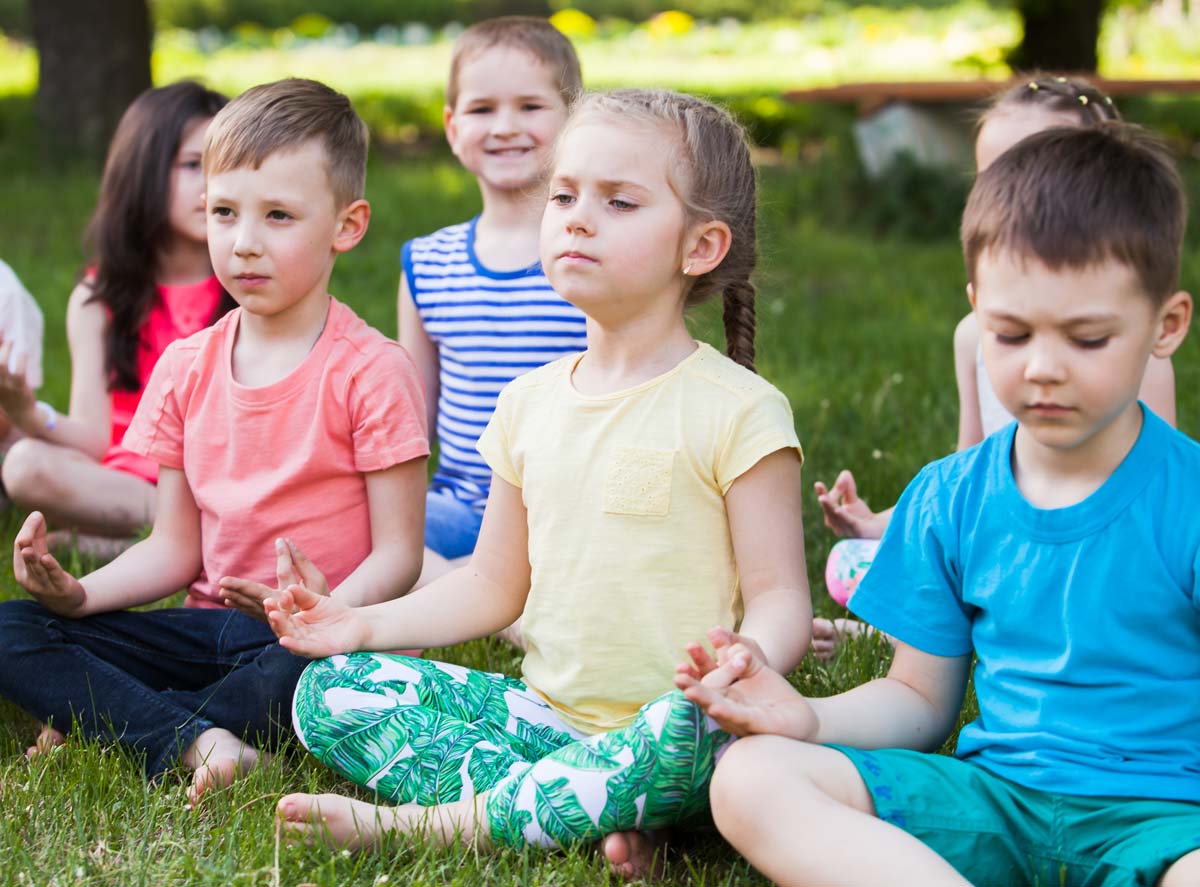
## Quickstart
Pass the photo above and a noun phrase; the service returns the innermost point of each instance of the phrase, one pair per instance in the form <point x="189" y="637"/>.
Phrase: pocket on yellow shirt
<point x="638" y="481"/>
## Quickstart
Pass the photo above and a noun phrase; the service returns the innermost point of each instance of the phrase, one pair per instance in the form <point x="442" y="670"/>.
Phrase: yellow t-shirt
<point x="628" y="535"/>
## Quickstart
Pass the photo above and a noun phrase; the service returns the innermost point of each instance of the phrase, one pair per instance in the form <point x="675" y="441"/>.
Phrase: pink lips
<point x="251" y="281"/>
<point x="1049" y="409"/>
<point x="576" y="258"/>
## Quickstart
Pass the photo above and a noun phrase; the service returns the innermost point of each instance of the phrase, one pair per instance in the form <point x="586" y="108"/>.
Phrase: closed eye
<point x="1092" y="343"/>
<point x="1011" y="339"/>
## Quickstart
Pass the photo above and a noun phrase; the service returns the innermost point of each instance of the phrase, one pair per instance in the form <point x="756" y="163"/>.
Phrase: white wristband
<point x="48" y="414"/>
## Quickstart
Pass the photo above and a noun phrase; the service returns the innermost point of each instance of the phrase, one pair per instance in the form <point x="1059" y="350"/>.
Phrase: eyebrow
<point x="605" y="184"/>
<point x="1081" y="320"/>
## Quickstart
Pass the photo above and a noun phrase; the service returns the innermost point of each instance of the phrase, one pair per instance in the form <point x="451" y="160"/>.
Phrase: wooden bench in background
<point x="929" y="119"/>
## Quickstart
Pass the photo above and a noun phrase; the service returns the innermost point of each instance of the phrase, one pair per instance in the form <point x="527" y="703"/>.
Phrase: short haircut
<point x="1074" y="197"/>
<point x="282" y="116"/>
<point x="534" y="35"/>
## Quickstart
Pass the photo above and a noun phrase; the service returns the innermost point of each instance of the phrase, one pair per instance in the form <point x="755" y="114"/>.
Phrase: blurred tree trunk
<point x="1060" y="35"/>
<point x="93" y="59"/>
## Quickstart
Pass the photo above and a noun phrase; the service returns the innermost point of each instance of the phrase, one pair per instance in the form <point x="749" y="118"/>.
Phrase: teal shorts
<point x="997" y="833"/>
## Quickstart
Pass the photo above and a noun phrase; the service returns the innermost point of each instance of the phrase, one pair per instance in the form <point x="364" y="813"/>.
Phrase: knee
<point x="28" y="473"/>
<point x="746" y="775"/>
<point x="1184" y="871"/>
<point x="23" y="624"/>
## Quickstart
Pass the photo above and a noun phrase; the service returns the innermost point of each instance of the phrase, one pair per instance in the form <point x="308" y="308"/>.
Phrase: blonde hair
<point x="713" y="177"/>
<point x="283" y="115"/>
<point x="534" y="35"/>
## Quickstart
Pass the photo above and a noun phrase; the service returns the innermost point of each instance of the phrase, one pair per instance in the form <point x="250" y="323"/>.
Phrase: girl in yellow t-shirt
<point x="643" y="490"/>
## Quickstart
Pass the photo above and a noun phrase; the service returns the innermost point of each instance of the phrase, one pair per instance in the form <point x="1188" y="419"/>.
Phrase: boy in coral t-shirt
<point x="290" y="417"/>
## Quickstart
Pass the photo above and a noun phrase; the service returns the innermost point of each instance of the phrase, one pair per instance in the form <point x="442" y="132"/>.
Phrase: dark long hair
<point x="130" y="227"/>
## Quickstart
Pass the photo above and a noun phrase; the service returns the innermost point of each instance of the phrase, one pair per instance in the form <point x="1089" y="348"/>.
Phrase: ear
<point x="450" y="126"/>
<point x="204" y="200"/>
<point x="706" y="247"/>
<point x="351" y="226"/>
<point x="971" y="295"/>
<point x="1174" y="318"/>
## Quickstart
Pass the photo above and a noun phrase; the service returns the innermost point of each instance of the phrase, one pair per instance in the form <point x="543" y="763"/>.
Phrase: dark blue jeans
<point x="152" y="681"/>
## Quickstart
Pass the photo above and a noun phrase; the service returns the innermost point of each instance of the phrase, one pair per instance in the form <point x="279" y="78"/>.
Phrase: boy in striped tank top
<point x="476" y="310"/>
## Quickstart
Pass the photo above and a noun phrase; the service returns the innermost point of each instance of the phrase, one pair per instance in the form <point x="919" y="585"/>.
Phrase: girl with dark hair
<point x="148" y="282"/>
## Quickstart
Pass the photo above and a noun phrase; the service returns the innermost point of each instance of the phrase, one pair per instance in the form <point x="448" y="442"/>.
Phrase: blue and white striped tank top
<point x="489" y="327"/>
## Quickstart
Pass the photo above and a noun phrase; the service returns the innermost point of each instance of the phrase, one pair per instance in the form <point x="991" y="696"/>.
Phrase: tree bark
<point x="1060" y="35"/>
<point x="93" y="60"/>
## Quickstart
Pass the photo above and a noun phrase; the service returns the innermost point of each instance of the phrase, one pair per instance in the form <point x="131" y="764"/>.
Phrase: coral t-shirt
<point x="178" y="312"/>
<point x="288" y="458"/>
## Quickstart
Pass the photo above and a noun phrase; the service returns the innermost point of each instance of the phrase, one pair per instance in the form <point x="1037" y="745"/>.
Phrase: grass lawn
<point x="854" y="327"/>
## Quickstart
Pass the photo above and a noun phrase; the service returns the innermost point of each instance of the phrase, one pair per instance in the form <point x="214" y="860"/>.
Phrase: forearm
<point x="386" y="573"/>
<point x="152" y="569"/>
<point x="461" y="606"/>
<point x="780" y="622"/>
<point x="76" y="435"/>
<point x="883" y="713"/>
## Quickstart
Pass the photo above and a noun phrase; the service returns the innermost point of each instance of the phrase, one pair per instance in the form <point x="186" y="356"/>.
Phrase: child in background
<point x="149" y="282"/>
<point x="1063" y="552"/>
<point x="1029" y="107"/>
<point x="21" y="329"/>
<point x="640" y="488"/>
<point x="476" y="310"/>
<point x="289" y="416"/>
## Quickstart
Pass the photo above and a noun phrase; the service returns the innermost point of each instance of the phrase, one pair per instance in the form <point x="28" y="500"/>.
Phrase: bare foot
<point x="339" y="821"/>
<point x="636" y="855"/>
<point x="828" y="633"/>
<point x="47" y="740"/>
<point x="334" y="820"/>
<point x="217" y="758"/>
<point x="513" y="635"/>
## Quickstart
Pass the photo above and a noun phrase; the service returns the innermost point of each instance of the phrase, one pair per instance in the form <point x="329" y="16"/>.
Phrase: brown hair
<point x="1075" y="197"/>
<point x="534" y="35"/>
<point x="716" y="181"/>
<point x="130" y="226"/>
<point x="283" y="115"/>
<point x="1069" y="96"/>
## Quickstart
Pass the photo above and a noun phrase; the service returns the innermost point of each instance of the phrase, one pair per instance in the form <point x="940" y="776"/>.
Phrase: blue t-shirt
<point x="1084" y="619"/>
<point x="489" y="327"/>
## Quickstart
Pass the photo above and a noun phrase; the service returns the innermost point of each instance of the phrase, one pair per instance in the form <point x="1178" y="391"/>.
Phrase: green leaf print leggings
<point x="417" y="731"/>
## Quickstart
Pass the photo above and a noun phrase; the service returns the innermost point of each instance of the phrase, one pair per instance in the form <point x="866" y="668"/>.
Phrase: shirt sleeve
<point x="156" y="431"/>
<point x="760" y="426"/>
<point x="22" y="325"/>
<point x="495" y="444"/>
<point x="387" y="410"/>
<point x="913" y="590"/>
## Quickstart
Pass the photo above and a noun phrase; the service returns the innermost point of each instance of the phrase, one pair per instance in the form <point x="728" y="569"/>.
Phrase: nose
<point x="579" y="218"/>
<point x="504" y="121"/>
<point x="247" y="242"/>
<point x="1044" y="364"/>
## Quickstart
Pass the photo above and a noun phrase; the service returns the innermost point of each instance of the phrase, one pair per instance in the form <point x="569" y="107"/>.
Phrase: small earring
<point x="687" y="269"/>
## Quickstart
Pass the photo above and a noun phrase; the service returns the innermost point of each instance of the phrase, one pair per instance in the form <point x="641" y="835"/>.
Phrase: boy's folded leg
<point x="107" y="673"/>
<point x="997" y="832"/>
<point x="252" y="696"/>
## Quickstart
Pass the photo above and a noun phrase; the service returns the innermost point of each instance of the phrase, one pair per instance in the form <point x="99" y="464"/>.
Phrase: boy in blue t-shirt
<point x="1063" y="551"/>
<point x="475" y="309"/>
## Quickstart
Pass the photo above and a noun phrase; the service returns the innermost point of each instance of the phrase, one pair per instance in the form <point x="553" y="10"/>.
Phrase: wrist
<point x="40" y="418"/>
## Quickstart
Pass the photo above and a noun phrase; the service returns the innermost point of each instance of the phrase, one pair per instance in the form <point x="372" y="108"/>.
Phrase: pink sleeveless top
<point x="178" y="312"/>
